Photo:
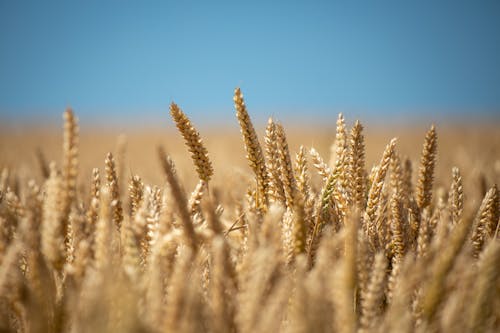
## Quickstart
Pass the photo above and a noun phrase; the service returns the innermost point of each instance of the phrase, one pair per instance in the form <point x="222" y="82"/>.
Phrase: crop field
<point x="250" y="227"/>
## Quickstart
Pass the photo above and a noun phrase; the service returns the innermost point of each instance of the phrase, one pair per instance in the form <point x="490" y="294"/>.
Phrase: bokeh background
<point x="397" y="66"/>
<point x="122" y="62"/>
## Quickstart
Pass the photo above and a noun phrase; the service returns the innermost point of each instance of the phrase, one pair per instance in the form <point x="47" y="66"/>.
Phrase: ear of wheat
<point x="193" y="140"/>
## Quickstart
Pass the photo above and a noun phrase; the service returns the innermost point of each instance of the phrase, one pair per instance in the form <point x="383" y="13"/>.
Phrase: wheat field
<point x="272" y="229"/>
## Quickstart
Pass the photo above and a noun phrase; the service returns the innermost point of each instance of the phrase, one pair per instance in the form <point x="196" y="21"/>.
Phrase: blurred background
<point x="397" y="66"/>
<point x="122" y="62"/>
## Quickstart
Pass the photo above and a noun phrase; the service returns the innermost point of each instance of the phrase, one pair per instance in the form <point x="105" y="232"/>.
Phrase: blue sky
<point x="131" y="58"/>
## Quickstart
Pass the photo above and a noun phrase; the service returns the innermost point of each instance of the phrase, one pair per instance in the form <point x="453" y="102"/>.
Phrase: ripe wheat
<point x="293" y="248"/>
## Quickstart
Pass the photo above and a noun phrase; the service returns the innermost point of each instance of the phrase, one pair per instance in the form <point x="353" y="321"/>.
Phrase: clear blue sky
<point x="132" y="58"/>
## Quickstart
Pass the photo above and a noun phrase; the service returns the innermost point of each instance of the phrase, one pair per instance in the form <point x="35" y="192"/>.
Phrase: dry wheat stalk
<point x="180" y="198"/>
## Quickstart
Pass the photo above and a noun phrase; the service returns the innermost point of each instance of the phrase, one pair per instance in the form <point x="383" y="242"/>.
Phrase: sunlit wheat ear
<point x="397" y="227"/>
<point x="194" y="203"/>
<point x="341" y="166"/>
<point x="179" y="197"/>
<point x="276" y="191"/>
<point x="286" y="168"/>
<point x="456" y="197"/>
<point x="426" y="171"/>
<point x="396" y="174"/>
<point x="112" y="184"/>
<point x="136" y="194"/>
<point x="302" y="173"/>
<point x="255" y="155"/>
<point x="357" y="165"/>
<point x="486" y="221"/>
<point x="338" y="149"/>
<point x="69" y="170"/>
<point x="376" y="189"/>
<point x="327" y="212"/>
<point x="303" y="180"/>
<point x="193" y="140"/>
<point x="323" y="169"/>
<point x="70" y="158"/>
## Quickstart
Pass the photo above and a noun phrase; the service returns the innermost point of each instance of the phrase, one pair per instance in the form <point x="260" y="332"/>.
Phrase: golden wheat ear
<point x="69" y="166"/>
<point x="193" y="140"/>
<point x="286" y="168"/>
<point x="456" y="197"/>
<point x="255" y="156"/>
<point x="112" y="183"/>
<point x="136" y="194"/>
<point x="276" y="191"/>
<point x="426" y="172"/>
<point x="375" y="192"/>
<point x="486" y="221"/>
<point x="357" y="166"/>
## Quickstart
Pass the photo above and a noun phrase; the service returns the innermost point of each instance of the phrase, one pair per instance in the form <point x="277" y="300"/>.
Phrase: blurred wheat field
<point x="291" y="229"/>
<point x="475" y="148"/>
